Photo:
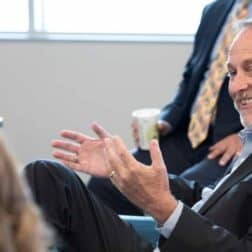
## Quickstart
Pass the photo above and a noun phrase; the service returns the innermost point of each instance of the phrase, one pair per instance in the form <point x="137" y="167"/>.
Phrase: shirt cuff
<point x="171" y="222"/>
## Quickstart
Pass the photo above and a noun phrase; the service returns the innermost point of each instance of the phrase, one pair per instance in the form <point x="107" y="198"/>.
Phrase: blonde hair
<point x="21" y="225"/>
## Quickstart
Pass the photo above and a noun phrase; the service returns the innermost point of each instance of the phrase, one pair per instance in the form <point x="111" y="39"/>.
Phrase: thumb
<point x="156" y="155"/>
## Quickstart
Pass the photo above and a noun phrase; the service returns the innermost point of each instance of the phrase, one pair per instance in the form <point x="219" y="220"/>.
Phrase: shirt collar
<point x="245" y="133"/>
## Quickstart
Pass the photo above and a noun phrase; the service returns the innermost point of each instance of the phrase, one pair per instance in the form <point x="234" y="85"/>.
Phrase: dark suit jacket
<point x="177" y="113"/>
<point x="224" y="222"/>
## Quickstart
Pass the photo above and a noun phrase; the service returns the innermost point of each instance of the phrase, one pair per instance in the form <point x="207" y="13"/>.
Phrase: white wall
<point x="45" y="87"/>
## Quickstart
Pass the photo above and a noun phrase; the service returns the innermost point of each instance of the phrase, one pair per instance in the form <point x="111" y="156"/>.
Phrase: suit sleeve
<point x="194" y="233"/>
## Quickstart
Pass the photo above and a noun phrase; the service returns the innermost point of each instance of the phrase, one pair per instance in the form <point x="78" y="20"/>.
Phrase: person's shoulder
<point x="218" y="7"/>
<point x="219" y="4"/>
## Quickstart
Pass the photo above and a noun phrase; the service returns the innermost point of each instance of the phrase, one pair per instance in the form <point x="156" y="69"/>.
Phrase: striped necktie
<point x="203" y="111"/>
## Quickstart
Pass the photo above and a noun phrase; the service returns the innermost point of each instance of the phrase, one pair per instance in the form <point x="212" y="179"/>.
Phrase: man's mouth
<point x="244" y="98"/>
<point x="245" y="101"/>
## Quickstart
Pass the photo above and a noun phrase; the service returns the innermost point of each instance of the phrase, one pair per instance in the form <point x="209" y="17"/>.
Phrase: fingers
<point x="135" y="133"/>
<point x="99" y="130"/>
<point x="73" y="135"/>
<point x="126" y="157"/>
<point x="156" y="155"/>
<point x="134" y="125"/>
<point x="112" y="161"/>
<point x="216" y="150"/>
<point x="227" y="148"/>
<point x="72" y="165"/>
<point x="66" y="146"/>
<point x="65" y="156"/>
<point x="118" y="159"/>
<point x="226" y="158"/>
<point x="225" y="152"/>
<point x="163" y="127"/>
<point x="68" y="160"/>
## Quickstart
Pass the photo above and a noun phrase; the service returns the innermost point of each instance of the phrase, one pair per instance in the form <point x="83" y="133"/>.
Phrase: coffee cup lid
<point x="146" y="112"/>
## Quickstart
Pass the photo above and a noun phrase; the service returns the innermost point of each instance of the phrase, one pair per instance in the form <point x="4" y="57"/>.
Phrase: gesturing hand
<point x="83" y="153"/>
<point x="146" y="186"/>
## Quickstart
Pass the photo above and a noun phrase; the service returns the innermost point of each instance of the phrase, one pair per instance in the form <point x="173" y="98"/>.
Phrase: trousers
<point x="81" y="222"/>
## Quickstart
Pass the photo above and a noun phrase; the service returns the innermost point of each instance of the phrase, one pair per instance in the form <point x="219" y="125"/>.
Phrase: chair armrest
<point x="144" y="226"/>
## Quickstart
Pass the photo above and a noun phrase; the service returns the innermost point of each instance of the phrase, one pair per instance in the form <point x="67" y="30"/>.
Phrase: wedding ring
<point x="75" y="159"/>
<point x="111" y="175"/>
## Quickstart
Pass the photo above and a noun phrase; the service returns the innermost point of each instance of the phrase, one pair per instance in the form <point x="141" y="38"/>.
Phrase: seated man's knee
<point x="43" y="169"/>
<point x="45" y="175"/>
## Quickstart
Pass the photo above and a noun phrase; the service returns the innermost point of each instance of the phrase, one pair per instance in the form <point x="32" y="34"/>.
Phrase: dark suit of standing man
<point x="177" y="152"/>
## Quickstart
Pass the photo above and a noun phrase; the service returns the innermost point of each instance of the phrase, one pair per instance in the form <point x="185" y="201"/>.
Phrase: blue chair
<point x="144" y="226"/>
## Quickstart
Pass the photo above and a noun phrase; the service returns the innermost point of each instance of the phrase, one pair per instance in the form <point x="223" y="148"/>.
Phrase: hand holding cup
<point x="144" y="127"/>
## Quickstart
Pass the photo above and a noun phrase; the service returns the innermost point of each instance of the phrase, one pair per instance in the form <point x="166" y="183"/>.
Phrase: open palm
<point x="82" y="153"/>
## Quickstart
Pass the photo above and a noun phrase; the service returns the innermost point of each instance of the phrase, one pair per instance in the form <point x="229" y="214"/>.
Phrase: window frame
<point x="33" y="35"/>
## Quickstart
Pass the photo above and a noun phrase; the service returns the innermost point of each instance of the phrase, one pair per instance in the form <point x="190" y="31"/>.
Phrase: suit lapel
<point x="242" y="171"/>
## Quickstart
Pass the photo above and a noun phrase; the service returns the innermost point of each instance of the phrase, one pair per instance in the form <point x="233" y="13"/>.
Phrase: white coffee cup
<point x="146" y="122"/>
